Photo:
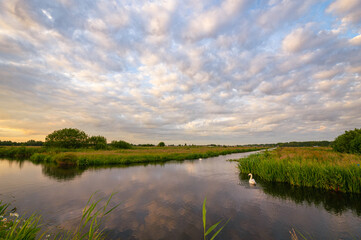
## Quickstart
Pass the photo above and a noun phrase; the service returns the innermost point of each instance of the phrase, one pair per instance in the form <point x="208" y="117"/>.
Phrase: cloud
<point x="348" y="10"/>
<point x="179" y="71"/>
<point x="356" y="40"/>
<point x="207" y="23"/>
<point x="305" y="38"/>
<point x="281" y="12"/>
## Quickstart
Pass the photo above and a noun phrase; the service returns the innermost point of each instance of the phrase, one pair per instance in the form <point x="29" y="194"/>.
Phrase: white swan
<point x="251" y="180"/>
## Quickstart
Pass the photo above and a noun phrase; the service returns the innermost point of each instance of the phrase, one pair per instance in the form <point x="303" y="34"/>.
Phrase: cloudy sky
<point x="217" y="71"/>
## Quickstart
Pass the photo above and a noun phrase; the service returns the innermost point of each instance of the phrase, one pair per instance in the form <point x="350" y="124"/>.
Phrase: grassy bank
<point x="138" y="155"/>
<point x="19" y="152"/>
<point x="310" y="167"/>
<point x="89" y="157"/>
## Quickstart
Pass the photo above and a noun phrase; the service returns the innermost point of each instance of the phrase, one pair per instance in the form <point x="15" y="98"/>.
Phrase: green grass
<point x="211" y="229"/>
<point x="309" y="167"/>
<point x="13" y="227"/>
<point x="17" y="228"/>
<point x="134" y="156"/>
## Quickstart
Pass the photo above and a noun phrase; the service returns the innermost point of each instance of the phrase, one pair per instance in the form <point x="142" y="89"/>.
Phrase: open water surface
<point x="165" y="201"/>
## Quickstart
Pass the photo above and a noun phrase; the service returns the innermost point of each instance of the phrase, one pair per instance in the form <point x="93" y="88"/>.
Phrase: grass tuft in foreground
<point x="18" y="228"/>
<point x="208" y="231"/>
<point x="310" y="167"/>
<point x="13" y="227"/>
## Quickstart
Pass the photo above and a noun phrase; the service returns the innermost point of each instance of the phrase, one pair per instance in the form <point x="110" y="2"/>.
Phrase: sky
<point x="195" y="72"/>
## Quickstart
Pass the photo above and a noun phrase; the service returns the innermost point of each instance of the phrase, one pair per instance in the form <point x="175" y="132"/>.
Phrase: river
<point x="164" y="201"/>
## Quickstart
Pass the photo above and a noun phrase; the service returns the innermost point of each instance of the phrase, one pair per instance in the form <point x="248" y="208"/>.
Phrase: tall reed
<point x="18" y="228"/>
<point x="310" y="167"/>
<point x="13" y="227"/>
<point x="90" y="223"/>
<point x="208" y="231"/>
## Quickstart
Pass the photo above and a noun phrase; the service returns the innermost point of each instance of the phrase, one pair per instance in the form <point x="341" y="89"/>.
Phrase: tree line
<point x="349" y="142"/>
<point x="75" y="138"/>
<point x="27" y="143"/>
<point x="294" y="144"/>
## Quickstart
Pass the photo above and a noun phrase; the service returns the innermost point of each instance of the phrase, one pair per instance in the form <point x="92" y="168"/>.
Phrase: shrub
<point x="343" y="142"/>
<point x="121" y="144"/>
<point x="97" y="142"/>
<point x="355" y="145"/>
<point x="66" y="159"/>
<point x="67" y="138"/>
<point x="40" y="157"/>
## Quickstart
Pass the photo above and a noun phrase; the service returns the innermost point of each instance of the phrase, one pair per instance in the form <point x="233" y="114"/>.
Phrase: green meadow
<point x="308" y="166"/>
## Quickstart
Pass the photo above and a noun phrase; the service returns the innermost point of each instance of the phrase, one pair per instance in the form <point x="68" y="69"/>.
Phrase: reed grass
<point x="310" y="167"/>
<point x="211" y="229"/>
<point x="13" y="227"/>
<point x="18" y="228"/>
<point x="91" y="221"/>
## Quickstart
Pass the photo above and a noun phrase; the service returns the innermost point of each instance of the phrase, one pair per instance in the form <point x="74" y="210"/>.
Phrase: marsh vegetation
<point x="309" y="167"/>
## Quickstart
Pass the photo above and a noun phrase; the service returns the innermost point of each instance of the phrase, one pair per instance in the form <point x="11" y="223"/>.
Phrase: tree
<point x="33" y="143"/>
<point x="67" y="138"/>
<point x="355" y="145"/>
<point x="121" y="144"/>
<point x="97" y="142"/>
<point x="344" y="142"/>
<point x="161" y="144"/>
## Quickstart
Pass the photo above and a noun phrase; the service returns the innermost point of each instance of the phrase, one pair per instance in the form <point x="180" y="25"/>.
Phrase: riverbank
<point x="311" y="167"/>
<point x="89" y="157"/>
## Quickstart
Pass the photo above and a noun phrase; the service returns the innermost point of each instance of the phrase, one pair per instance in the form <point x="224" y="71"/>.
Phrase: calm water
<point x="165" y="201"/>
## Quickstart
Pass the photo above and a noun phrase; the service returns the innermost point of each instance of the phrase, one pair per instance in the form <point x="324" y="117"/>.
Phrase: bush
<point x="97" y="142"/>
<point x="161" y="144"/>
<point x="355" y="145"/>
<point x="67" y="138"/>
<point x="121" y="144"/>
<point x="66" y="159"/>
<point x="349" y="142"/>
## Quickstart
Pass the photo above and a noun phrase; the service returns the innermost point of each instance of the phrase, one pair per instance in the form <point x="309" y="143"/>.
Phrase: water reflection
<point x="68" y="173"/>
<point x="164" y="201"/>
<point x="62" y="173"/>
<point x="334" y="202"/>
<point x="14" y="162"/>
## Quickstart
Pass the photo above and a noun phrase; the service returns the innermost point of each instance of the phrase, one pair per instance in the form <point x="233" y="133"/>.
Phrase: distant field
<point x="307" y="166"/>
<point x="90" y="157"/>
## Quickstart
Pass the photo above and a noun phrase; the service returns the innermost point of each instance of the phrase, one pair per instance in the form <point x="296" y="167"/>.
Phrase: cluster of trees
<point x="75" y="138"/>
<point x="349" y="142"/>
<point x="27" y="143"/>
